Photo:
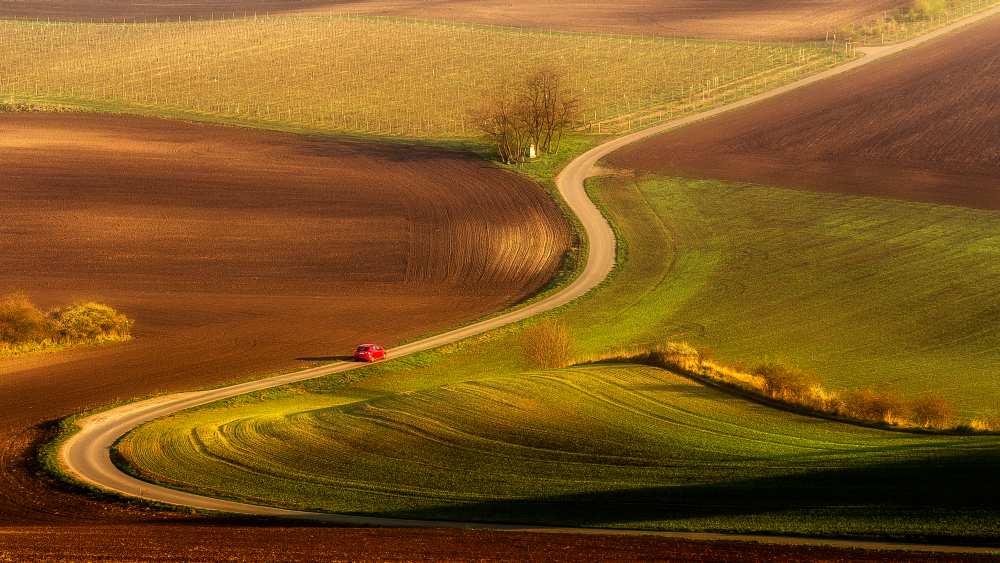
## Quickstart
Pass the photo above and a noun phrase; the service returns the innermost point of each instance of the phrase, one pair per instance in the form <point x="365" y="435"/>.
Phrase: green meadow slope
<point x="866" y="292"/>
<point x="605" y="445"/>
<point x="862" y="291"/>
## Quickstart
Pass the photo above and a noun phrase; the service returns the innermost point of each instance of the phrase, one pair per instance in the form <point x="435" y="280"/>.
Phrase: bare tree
<point x="501" y="118"/>
<point x="538" y="112"/>
<point x="551" y="108"/>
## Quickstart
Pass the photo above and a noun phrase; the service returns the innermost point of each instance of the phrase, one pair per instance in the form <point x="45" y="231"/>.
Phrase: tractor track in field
<point x="86" y="454"/>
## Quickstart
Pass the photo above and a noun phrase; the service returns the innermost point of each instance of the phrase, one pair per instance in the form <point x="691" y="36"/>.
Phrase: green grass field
<point x="613" y="445"/>
<point x="472" y="431"/>
<point x="861" y="291"/>
<point x="380" y="76"/>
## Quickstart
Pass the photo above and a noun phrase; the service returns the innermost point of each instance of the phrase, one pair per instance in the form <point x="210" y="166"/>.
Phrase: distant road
<point x="86" y="454"/>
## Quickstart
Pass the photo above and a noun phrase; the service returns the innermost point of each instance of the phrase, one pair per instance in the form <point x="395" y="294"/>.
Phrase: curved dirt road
<point x="86" y="454"/>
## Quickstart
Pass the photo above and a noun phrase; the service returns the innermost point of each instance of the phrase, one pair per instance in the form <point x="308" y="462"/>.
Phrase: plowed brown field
<point x="200" y="543"/>
<point x="923" y="125"/>
<point x="237" y="252"/>
<point x="758" y="19"/>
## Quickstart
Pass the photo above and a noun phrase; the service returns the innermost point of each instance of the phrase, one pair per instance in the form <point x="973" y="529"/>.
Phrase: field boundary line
<point x="86" y="455"/>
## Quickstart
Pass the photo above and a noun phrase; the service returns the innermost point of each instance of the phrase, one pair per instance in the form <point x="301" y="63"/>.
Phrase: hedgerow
<point x="784" y="384"/>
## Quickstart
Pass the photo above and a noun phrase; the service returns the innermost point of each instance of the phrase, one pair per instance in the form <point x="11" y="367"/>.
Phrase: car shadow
<point x="347" y="358"/>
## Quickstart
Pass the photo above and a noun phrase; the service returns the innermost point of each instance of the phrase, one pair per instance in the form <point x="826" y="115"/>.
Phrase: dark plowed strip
<point x="217" y="543"/>
<point x="923" y="125"/>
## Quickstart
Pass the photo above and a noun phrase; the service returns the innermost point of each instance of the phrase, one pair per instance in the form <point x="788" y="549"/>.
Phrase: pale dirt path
<point x="86" y="455"/>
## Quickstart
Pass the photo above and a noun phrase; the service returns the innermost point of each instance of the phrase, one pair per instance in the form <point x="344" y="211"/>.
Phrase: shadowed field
<point x="922" y="126"/>
<point x="215" y="543"/>
<point x="237" y="252"/>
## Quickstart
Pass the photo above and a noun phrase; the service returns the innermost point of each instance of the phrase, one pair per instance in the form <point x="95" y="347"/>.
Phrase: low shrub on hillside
<point x="984" y="424"/>
<point x="21" y="321"/>
<point x="931" y="410"/>
<point x="873" y="406"/>
<point x="25" y="328"/>
<point x="785" y="382"/>
<point x="548" y="344"/>
<point x="21" y="107"/>
<point x="13" y="107"/>
<point x="677" y="354"/>
<point x="90" y="321"/>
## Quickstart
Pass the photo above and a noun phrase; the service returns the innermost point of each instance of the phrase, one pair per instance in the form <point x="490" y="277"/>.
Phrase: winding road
<point x="86" y="454"/>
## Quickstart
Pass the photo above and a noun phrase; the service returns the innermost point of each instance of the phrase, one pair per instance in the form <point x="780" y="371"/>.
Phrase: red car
<point x="369" y="353"/>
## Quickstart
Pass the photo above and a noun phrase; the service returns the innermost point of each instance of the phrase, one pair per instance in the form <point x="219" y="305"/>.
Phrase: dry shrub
<point x="985" y="424"/>
<point x="14" y="107"/>
<point x="931" y="411"/>
<point x="671" y="355"/>
<point x="548" y="344"/>
<point x="873" y="406"/>
<point x="679" y="355"/>
<point x="20" y="320"/>
<point x="822" y="400"/>
<point x="24" y="328"/>
<point x="785" y="382"/>
<point x="733" y="376"/>
<point x="706" y="354"/>
<point x="91" y="321"/>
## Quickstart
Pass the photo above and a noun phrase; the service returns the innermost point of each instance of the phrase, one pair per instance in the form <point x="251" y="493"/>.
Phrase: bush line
<point x="787" y="387"/>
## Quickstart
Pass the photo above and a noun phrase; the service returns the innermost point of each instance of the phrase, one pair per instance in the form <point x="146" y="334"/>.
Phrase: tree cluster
<point x="536" y="112"/>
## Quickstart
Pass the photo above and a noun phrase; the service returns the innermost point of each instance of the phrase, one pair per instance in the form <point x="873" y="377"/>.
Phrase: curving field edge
<point x="86" y="455"/>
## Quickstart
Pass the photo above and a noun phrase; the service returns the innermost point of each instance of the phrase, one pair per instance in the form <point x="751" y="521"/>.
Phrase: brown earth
<point x="923" y="125"/>
<point x="238" y="252"/>
<point x="757" y="19"/>
<point x="239" y="543"/>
